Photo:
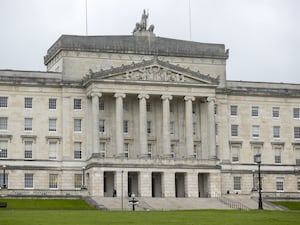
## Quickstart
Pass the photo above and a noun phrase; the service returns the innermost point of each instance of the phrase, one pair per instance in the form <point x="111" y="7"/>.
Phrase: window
<point x="77" y="103"/>
<point x="254" y="111"/>
<point x="237" y="186"/>
<point x="233" y="110"/>
<point x="3" y="149"/>
<point x="125" y="106"/>
<point x="171" y="107"/>
<point x="28" y="180"/>
<point x="150" y="148"/>
<point x="255" y="131"/>
<point x="277" y="154"/>
<point x="28" y="124"/>
<point x="234" y="130"/>
<point x="101" y="105"/>
<point x="172" y="150"/>
<point x="52" y="124"/>
<point x="28" y="149"/>
<point x="296" y="113"/>
<point x="53" y="180"/>
<point x="77" y="125"/>
<point x="125" y="126"/>
<point x="194" y="108"/>
<point x="194" y="128"/>
<point x="3" y="123"/>
<point x="52" y="103"/>
<point x="4" y="182"/>
<point x="195" y="150"/>
<point x="148" y="107"/>
<point x="276" y="112"/>
<point x="279" y="184"/>
<point x="28" y="103"/>
<point x="276" y="131"/>
<point x="256" y="150"/>
<point x="297" y="154"/>
<point x="235" y="153"/>
<point x="171" y="127"/>
<point x="126" y="150"/>
<point x="296" y="132"/>
<point x="3" y="102"/>
<point x="102" y="150"/>
<point x="298" y="184"/>
<point x="101" y="126"/>
<point x="52" y="149"/>
<point x="77" y="180"/>
<point x="77" y="150"/>
<point x="149" y="127"/>
<point x="216" y="109"/>
<point x="216" y="129"/>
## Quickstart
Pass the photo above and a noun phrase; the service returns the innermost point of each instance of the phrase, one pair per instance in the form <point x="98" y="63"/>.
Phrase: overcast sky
<point x="263" y="36"/>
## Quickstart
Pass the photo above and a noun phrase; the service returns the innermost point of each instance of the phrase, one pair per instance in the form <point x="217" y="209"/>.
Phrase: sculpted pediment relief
<point x="153" y="71"/>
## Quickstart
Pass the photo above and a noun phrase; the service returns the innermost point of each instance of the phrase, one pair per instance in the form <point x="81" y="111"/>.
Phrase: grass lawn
<point x="288" y="204"/>
<point x="76" y="212"/>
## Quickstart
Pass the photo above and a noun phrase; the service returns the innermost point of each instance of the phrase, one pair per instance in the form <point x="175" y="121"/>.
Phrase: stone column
<point x="189" y="136"/>
<point x="166" y="125"/>
<point x="143" y="124"/>
<point x="119" y="123"/>
<point x="95" y="121"/>
<point x="145" y="180"/>
<point x="211" y="127"/>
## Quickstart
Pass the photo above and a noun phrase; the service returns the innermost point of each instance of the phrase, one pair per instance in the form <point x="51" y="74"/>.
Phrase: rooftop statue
<point x="142" y="26"/>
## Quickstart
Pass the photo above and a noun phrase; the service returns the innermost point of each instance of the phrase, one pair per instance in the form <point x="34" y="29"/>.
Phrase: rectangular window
<point x="3" y="123"/>
<point x="216" y="109"/>
<point x="234" y="130"/>
<point x="125" y="126"/>
<point x="126" y="150"/>
<point x="77" y="150"/>
<point x="77" y="180"/>
<point x="173" y="150"/>
<point x="52" y="149"/>
<point x="77" y="125"/>
<point x="28" y="180"/>
<point x="171" y="127"/>
<point x="52" y="103"/>
<point x="101" y="105"/>
<point x="233" y="110"/>
<point x="28" y="103"/>
<point x="101" y="126"/>
<point x="256" y="151"/>
<point x="277" y="154"/>
<point x="148" y="107"/>
<point x="279" y="184"/>
<point x="254" y="111"/>
<point x="28" y="124"/>
<point x="298" y="184"/>
<point x="276" y="112"/>
<point x="235" y="153"/>
<point x="297" y="155"/>
<point x="52" y="124"/>
<point x="149" y="127"/>
<point x="3" y="149"/>
<point x="28" y="149"/>
<point x="53" y="180"/>
<point x="195" y="150"/>
<point x="2" y="180"/>
<point x="276" y="131"/>
<point x="194" y="108"/>
<point x="296" y="132"/>
<point x="3" y="102"/>
<point x="125" y="106"/>
<point x="237" y="185"/>
<point x="296" y="113"/>
<point x="255" y="131"/>
<point x="150" y="150"/>
<point x="77" y="103"/>
<point x="102" y="150"/>
<point x="194" y="128"/>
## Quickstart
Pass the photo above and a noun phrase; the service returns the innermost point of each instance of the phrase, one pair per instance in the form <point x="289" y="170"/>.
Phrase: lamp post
<point x="4" y="181"/>
<point x="258" y="161"/>
<point x="133" y="201"/>
<point x="122" y="207"/>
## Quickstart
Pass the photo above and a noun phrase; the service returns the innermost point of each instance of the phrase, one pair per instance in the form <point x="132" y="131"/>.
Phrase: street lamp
<point x="4" y="181"/>
<point x="133" y="201"/>
<point x="258" y="161"/>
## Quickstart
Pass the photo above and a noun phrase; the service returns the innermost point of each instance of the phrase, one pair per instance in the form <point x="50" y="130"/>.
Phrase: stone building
<point x="147" y="115"/>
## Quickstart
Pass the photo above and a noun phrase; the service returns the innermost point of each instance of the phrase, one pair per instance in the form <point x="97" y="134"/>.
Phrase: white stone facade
<point x="150" y="125"/>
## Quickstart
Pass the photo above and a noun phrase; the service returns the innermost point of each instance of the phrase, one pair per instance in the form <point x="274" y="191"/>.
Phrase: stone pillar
<point x="211" y="127"/>
<point x="95" y="182"/>
<point x="189" y="136"/>
<point x="191" y="184"/>
<point x="143" y="124"/>
<point x="168" y="184"/>
<point x="145" y="181"/>
<point x="166" y="125"/>
<point x="95" y="121"/>
<point x="119" y="124"/>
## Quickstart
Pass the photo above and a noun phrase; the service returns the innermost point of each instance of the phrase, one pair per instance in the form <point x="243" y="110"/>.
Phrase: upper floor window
<point x="276" y="112"/>
<point x="3" y="149"/>
<point x="52" y="103"/>
<point x="296" y="113"/>
<point x="254" y="111"/>
<point x="126" y="150"/>
<point x="277" y="151"/>
<point x="255" y="131"/>
<point x="297" y="154"/>
<point x="194" y="128"/>
<point x="3" y="123"/>
<point x="233" y="110"/>
<point x="216" y="109"/>
<point x="28" y="124"/>
<point x="102" y="126"/>
<point x="125" y="106"/>
<point x="77" y="103"/>
<point x="125" y="126"/>
<point x="149" y="127"/>
<point x="235" y="153"/>
<point x="77" y="125"/>
<point x="276" y="131"/>
<point x="52" y="149"/>
<point x="101" y="105"/>
<point x="52" y="124"/>
<point x="28" y="149"/>
<point x="150" y="148"/>
<point x="298" y="184"/>
<point x="194" y="108"/>
<point x="3" y="102"/>
<point x="297" y="132"/>
<point x="77" y="150"/>
<point x="148" y="107"/>
<point x="171" y="127"/>
<point x="102" y="149"/>
<point x="234" y="130"/>
<point x="28" y="103"/>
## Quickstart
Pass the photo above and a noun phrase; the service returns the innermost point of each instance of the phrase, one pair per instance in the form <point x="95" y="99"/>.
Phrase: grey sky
<point x="263" y="35"/>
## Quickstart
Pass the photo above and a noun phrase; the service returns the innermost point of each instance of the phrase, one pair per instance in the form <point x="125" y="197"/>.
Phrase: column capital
<point x="166" y="97"/>
<point x="145" y="96"/>
<point x="211" y="99"/>
<point x="98" y="94"/>
<point x="119" y="95"/>
<point x="189" y="98"/>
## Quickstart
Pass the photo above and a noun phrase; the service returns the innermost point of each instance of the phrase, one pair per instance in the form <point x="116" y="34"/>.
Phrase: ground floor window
<point x="237" y="185"/>
<point x="77" y="180"/>
<point x="3" y="181"/>
<point x="280" y="184"/>
<point x="28" y="180"/>
<point x="53" y="180"/>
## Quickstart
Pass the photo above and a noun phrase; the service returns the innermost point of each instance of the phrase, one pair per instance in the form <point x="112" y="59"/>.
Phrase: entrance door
<point x="156" y="185"/>
<point x="203" y="185"/>
<point x="133" y="183"/>
<point x="180" y="185"/>
<point x="109" y="184"/>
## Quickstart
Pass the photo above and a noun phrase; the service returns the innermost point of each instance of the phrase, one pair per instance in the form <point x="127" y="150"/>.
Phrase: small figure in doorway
<point x="114" y="193"/>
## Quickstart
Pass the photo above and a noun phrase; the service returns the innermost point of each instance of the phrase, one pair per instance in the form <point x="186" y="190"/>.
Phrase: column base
<point x="144" y="156"/>
<point x="168" y="156"/>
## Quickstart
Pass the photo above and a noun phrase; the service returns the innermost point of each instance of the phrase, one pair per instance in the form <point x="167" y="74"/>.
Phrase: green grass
<point x="288" y="204"/>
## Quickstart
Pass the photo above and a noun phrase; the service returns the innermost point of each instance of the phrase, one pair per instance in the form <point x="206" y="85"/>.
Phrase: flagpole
<point x="86" y="19"/>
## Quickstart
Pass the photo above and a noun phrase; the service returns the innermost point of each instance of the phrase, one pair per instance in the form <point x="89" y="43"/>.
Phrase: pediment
<point x="153" y="71"/>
